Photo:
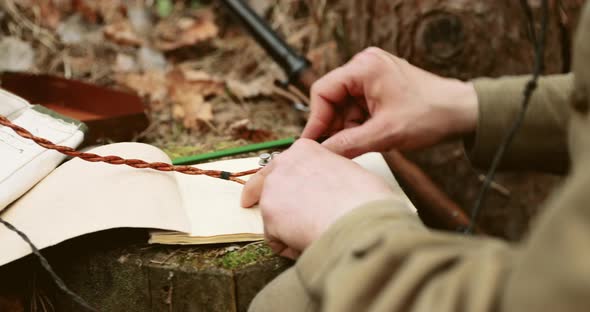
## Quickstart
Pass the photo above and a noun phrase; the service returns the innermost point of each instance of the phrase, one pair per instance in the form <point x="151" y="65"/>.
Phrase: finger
<point x="290" y="253"/>
<point x="355" y="141"/>
<point x="276" y="246"/>
<point x="283" y="250"/>
<point x="354" y="114"/>
<point x="253" y="188"/>
<point x="346" y="117"/>
<point x="329" y="91"/>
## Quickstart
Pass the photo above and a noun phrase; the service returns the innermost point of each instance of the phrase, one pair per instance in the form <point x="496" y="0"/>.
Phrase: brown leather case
<point x="110" y="115"/>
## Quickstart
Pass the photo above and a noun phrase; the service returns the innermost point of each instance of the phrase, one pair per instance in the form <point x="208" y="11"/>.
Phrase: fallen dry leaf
<point x="122" y="33"/>
<point x="151" y="85"/>
<point x="261" y="6"/>
<point x="189" y="90"/>
<point x="241" y="130"/>
<point x="107" y="11"/>
<point x="200" y="81"/>
<point x="261" y="86"/>
<point x="190" y="106"/>
<point x="172" y="34"/>
<point x="50" y="15"/>
<point x="49" y="12"/>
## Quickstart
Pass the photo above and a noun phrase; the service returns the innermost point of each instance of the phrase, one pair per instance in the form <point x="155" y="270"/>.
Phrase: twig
<point x="286" y="94"/>
<point x="260" y="242"/>
<point x="41" y="34"/>
<point x="172" y="254"/>
<point x="304" y="98"/>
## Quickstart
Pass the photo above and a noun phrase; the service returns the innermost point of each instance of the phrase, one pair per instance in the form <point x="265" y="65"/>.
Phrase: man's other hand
<point x="304" y="190"/>
<point x="378" y="102"/>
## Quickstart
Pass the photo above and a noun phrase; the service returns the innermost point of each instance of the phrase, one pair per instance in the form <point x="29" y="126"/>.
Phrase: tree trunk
<point x="462" y="39"/>
<point x="457" y="38"/>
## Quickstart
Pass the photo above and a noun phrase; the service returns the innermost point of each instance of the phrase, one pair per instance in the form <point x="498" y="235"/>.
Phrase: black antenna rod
<point x="290" y="61"/>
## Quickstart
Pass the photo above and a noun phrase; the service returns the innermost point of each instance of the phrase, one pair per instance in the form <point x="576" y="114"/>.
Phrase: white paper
<point x="23" y="163"/>
<point x="81" y="197"/>
<point x="213" y="205"/>
<point x="11" y="106"/>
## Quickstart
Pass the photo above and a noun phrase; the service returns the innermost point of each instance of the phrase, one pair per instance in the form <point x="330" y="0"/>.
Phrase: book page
<point x="11" y="106"/>
<point x="24" y="162"/>
<point x="213" y="205"/>
<point x="81" y="197"/>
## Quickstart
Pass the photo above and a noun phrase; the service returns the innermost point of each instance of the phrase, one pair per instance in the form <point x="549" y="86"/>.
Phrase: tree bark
<point x="457" y="38"/>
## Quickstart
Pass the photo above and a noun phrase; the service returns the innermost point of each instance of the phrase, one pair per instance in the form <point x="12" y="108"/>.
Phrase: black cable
<point x="45" y="264"/>
<point x="528" y="12"/>
<point x="539" y="44"/>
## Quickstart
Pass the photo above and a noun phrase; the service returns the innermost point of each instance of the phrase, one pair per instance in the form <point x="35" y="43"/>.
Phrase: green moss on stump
<point x="244" y="256"/>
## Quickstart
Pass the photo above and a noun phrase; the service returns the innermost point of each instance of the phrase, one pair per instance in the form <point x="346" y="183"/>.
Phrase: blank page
<point x="81" y="197"/>
<point x="213" y="205"/>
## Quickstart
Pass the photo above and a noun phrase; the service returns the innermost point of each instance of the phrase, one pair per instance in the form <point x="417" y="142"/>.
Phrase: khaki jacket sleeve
<point x="540" y="144"/>
<point x="380" y="258"/>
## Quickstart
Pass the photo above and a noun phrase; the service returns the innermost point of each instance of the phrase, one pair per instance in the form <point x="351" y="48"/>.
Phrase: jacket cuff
<point x="354" y="233"/>
<point x="498" y="103"/>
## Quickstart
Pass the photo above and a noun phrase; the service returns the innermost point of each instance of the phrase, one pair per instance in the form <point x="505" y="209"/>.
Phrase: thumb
<point x="355" y="141"/>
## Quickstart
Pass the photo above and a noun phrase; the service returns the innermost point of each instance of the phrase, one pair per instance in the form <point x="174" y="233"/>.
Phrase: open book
<point x="81" y="197"/>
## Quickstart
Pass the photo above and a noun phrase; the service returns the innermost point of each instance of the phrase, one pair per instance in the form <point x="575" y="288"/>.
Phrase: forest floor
<point x="205" y="82"/>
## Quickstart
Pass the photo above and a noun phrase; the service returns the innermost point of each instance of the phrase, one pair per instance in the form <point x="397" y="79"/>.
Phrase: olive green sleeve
<point x="541" y="142"/>
<point x="379" y="258"/>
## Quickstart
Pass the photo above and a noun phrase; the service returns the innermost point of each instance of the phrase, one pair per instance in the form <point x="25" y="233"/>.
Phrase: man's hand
<point x="304" y="190"/>
<point x="378" y="102"/>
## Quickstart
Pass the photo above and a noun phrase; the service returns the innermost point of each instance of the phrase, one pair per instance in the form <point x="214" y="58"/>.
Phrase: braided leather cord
<point x="116" y="160"/>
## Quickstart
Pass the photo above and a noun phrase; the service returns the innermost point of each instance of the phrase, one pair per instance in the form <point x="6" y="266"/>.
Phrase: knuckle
<point x="372" y="62"/>
<point x="304" y="144"/>
<point x="367" y="59"/>
<point x="374" y="49"/>
<point x="315" y="87"/>
<point x="326" y="82"/>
